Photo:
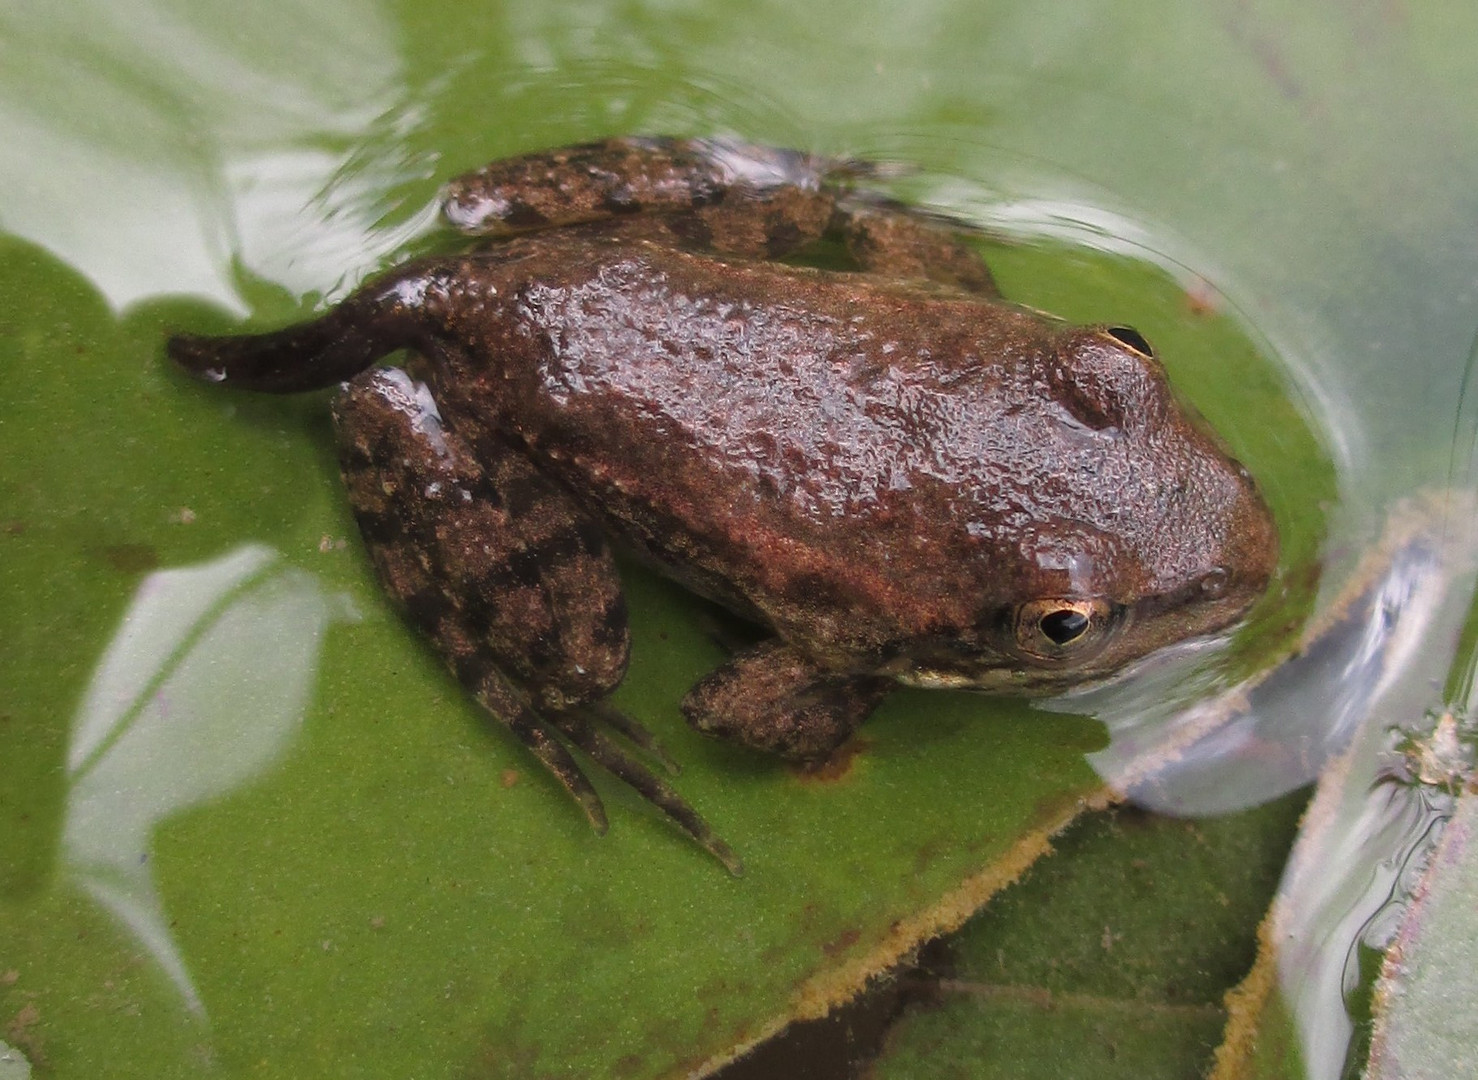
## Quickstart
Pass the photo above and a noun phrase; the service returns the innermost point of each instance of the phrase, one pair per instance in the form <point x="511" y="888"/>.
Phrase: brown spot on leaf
<point x="127" y="558"/>
<point x="927" y="852"/>
<point x="20" y="1034"/>
<point x="837" y="767"/>
<point x="842" y="942"/>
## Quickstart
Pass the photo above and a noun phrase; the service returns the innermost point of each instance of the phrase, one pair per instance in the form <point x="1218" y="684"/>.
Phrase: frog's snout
<point x="1252" y="536"/>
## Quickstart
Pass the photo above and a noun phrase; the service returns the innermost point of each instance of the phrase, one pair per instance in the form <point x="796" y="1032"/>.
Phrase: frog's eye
<point x="1131" y="339"/>
<point x="1061" y="629"/>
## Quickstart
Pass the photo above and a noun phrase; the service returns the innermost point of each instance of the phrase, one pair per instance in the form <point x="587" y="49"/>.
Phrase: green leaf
<point x="1109" y="959"/>
<point x="259" y="849"/>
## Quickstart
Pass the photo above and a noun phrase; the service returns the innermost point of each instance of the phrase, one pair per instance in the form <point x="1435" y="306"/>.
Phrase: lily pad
<point x="356" y="823"/>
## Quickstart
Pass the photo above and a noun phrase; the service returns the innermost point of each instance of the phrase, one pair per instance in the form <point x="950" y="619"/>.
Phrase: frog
<point x="894" y="473"/>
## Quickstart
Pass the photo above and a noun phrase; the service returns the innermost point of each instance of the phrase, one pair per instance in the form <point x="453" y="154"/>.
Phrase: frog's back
<point x="795" y="442"/>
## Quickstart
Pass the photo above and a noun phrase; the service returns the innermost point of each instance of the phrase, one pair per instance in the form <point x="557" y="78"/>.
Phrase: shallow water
<point x="1277" y="194"/>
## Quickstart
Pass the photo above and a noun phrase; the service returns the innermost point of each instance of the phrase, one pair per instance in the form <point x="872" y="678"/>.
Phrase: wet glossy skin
<point x="902" y="477"/>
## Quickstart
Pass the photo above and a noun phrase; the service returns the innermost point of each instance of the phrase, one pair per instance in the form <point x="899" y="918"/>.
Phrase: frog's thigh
<point x="758" y="224"/>
<point x="486" y="556"/>
<point x="774" y="699"/>
<point x="619" y="177"/>
<point x="889" y="238"/>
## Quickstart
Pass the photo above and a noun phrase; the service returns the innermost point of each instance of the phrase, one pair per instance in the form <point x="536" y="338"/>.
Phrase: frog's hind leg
<point x="515" y="588"/>
<point x="888" y="237"/>
<point x="717" y="195"/>
<point x="713" y="195"/>
<point x="620" y="177"/>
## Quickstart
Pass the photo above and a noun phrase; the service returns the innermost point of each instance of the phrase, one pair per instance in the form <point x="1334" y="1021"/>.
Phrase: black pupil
<point x="1127" y="335"/>
<point x="1063" y="625"/>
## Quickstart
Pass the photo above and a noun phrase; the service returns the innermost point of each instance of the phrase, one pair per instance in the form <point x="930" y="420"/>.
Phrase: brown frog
<point x="905" y="479"/>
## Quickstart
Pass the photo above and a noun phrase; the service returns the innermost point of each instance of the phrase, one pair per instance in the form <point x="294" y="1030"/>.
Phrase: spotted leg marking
<point x="515" y="588"/>
<point x="901" y="241"/>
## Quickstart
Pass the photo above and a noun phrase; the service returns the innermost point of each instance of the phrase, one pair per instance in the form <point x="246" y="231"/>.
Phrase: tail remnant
<point x="378" y="319"/>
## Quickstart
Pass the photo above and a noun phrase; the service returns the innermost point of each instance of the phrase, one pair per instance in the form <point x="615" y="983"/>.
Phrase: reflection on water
<point x="1380" y="808"/>
<point x="172" y="143"/>
<point x="202" y="687"/>
<point x="13" y="1064"/>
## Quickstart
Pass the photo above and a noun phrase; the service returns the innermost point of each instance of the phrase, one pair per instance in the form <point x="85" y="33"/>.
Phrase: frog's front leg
<point x="772" y="698"/>
<point x="514" y="586"/>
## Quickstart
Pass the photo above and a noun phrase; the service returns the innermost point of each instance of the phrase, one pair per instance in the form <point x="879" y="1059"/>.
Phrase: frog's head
<point x="1143" y="531"/>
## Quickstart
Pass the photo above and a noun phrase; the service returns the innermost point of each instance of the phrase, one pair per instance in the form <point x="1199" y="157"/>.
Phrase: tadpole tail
<point x="380" y="318"/>
<point x="308" y="356"/>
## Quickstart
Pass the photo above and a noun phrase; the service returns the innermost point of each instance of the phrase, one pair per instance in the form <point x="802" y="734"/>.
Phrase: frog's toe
<point x="633" y="733"/>
<point x="504" y="703"/>
<point x="579" y="725"/>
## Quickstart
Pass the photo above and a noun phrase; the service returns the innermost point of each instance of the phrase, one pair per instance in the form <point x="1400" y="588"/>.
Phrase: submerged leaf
<point x="1109" y="959"/>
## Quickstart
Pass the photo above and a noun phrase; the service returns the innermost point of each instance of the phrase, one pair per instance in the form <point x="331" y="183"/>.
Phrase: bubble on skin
<point x="478" y="210"/>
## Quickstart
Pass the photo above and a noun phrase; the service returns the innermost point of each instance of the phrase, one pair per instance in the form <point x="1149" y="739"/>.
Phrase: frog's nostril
<point x="1214" y="583"/>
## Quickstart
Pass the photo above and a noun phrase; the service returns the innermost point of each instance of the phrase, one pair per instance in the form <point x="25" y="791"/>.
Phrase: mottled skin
<point x="904" y="478"/>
